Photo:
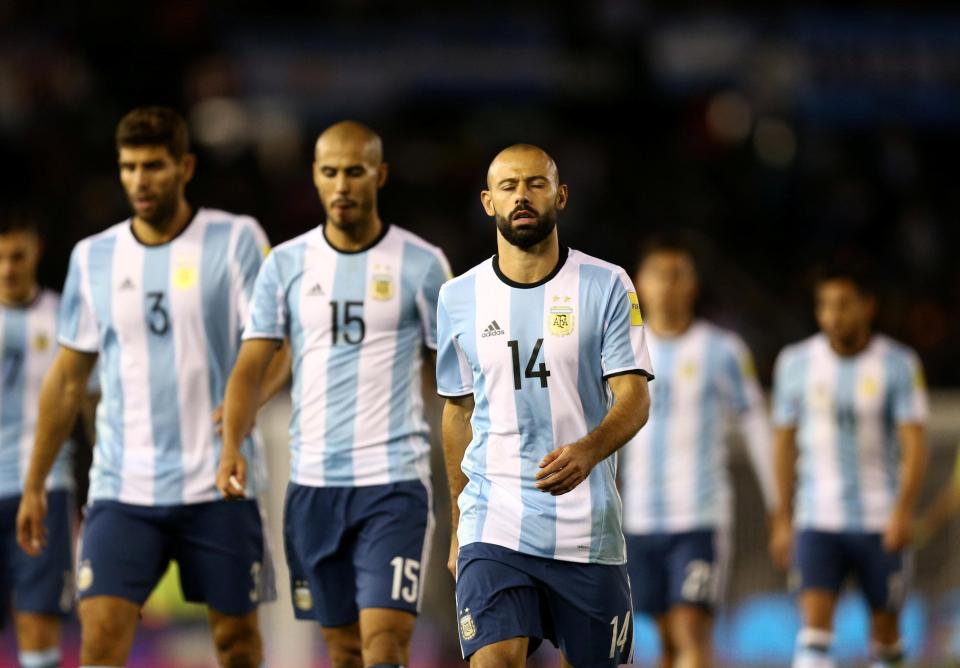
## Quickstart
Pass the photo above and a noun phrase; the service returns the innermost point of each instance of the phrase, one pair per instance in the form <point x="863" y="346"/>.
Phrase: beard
<point x="529" y="235"/>
<point x="163" y="212"/>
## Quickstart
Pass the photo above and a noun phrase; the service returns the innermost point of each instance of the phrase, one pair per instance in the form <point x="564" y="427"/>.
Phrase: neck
<point x="354" y="237"/>
<point x="153" y="235"/>
<point x="18" y="299"/>
<point x="528" y="265"/>
<point x="851" y="346"/>
<point x="667" y="325"/>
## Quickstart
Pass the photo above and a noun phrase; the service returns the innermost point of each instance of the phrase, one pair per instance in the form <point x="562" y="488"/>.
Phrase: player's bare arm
<point x="61" y="396"/>
<point x="241" y="401"/>
<point x="913" y="465"/>
<point x="567" y="466"/>
<point x="275" y="379"/>
<point x="457" y="434"/>
<point x="784" y="463"/>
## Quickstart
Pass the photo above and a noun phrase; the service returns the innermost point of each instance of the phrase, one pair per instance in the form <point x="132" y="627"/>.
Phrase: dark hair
<point x="674" y="242"/>
<point x="855" y="271"/>
<point x="154" y="126"/>
<point x="16" y="219"/>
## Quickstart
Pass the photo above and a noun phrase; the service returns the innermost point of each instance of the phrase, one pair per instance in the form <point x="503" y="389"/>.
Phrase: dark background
<point x="779" y="139"/>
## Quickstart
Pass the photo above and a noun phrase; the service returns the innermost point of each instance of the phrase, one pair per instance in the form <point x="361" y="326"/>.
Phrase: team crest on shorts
<point x="468" y="630"/>
<point x="84" y="576"/>
<point x="561" y="316"/>
<point x="302" y="598"/>
<point x="382" y="286"/>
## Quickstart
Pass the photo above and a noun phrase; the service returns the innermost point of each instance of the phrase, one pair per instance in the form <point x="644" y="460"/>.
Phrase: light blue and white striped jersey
<point x="166" y="321"/>
<point x="28" y="336"/>
<point x="536" y="359"/>
<point x="357" y="324"/>
<point x="674" y="471"/>
<point x="846" y="411"/>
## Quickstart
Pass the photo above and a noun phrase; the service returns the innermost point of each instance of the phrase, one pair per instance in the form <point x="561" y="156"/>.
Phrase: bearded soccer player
<point x="677" y="492"/>
<point x="41" y="588"/>
<point x="849" y="456"/>
<point x="357" y="299"/>
<point x="159" y="298"/>
<point x="542" y="359"/>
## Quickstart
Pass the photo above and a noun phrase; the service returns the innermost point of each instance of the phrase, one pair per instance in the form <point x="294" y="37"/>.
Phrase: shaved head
<point x="352" y="134"/>
<point x="528" y="154"/>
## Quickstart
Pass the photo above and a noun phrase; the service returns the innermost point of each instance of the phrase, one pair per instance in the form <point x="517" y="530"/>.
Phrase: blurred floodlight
<point x="774" y="142"/>
<point x="279" y="137"/>
<point x="729" y="117"/>
<point x="221" y="125"/>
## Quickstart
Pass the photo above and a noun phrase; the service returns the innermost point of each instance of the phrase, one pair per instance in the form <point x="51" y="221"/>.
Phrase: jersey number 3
<point x="159" y="319"/>
<point x="541" y="373"/>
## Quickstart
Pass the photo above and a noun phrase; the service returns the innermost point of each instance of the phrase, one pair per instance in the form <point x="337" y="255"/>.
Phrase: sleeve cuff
<point x="622" y="372"/>
<point x="455" y="395"/>
<point x="64" y="343"/>
<point x="262" y="335"/>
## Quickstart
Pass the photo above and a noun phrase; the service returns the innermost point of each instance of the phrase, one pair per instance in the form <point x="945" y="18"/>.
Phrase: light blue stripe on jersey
<point x="709" y="420"/>
<point x="660" y="403"/>
<point x="845" y="401"/>
<point x="293" y="258"/>
<point x="68" y="325"/>
<point x="617" y="347"/>
<point x="110" y="410"/>
<point x="349" y="285"/>
<point x="893" y="363"/>
<point x="594" y="398"/>
<point x="14" y="379"/>
<point x="162" y="365"/>
<point x="220" y="339"/>
<point x="538" y="529"/>
<point x="409" y="338"/>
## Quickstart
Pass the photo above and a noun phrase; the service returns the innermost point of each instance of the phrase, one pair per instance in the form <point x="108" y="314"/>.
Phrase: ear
<point x="561" y="196"/>
<point x="189" y="166"/>
<point x="486" y="199"/>
<point x="382" y="172"/>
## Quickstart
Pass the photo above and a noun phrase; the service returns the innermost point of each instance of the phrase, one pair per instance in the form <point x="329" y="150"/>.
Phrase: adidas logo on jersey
<point x="315" y="291"/>
<point x="127" y="284"/>
<point x="493" y="329"/>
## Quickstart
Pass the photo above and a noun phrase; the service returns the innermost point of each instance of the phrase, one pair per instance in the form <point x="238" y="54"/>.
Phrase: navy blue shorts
<point x="583" y="609"/>
<point x="824" y="560"/>
<point x="670" y="569"/>
<point x="125" y="550"/>
<point x="42" y="584"/>
<point x="350" y="548"/>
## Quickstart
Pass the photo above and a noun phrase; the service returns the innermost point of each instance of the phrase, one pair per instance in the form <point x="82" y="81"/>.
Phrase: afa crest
<point x="41" y="342"/>
<point x="382" y="287"/>
<point x="302" y="598"/>
<point x="185" y="277"/>
<point x="561" y="318"/>
<point x="85" y="576"/>
<point x="468" y="630"/>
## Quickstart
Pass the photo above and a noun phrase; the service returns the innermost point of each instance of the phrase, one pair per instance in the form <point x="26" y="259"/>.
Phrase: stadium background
<point x="777" y="139"/>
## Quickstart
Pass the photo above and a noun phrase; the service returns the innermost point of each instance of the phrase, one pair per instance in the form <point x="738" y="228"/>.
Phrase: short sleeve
<point x="786" y="391"/>
<point x="77" y="321"/>
<point x="454" y="374"/>
<point x="251" y="249"/>
<point x="438" y="273"/>
<point x="268" y="316"/>
<point x="741" y="372"/>
<point x="908" y="389"/>
<point x="624" y="346"/>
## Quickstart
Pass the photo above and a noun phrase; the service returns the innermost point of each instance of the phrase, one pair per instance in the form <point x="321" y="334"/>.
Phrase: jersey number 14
<point x="542" y="373"/>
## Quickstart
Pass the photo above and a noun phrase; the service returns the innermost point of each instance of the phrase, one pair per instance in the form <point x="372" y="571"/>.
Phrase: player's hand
<point x="898" y="533"/>
<point x="232" y="475"/>
<point x="31" y="531"/>
<point x="565" y="468"/>
<point x="217" y="418"/>
<point x="454" y="552"/>
<point x="781" y="542"/>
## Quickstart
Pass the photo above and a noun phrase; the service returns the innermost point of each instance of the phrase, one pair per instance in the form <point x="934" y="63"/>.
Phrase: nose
<point x="139" y="177"/>
<point x="342" y="184"/>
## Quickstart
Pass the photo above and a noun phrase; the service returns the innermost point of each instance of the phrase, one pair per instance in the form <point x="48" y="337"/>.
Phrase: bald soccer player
<point x="542" y="359"/>
<point x="357" y="298"/>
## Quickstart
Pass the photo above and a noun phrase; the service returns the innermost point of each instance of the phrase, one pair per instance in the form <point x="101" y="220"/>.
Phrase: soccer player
<point x="159" y="298"/>
<point x="676" y="487"/>
<point x="542" y="359"/>
<point x="357" y="299"/>
<point x="849" y="412"/>
<point x="41" y="588"/>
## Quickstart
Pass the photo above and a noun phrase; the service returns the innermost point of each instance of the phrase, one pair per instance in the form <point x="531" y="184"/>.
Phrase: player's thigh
<point x="219" y="549"/>
<point x="697" y="568"/>
<point x="510" y="653"/>
<point x="689" y="626"/>
<point x="497" y="601"/>
<point x="393" y="523"/>
<point x="647" y="566"/>
<point x="320" y="556"/>
<point x="43" y="585"/>
<point x="883" y="576"/>
<point x="235" y="635"/>
<point x="36" y="632"/>
<point x="591" y="612"/>
<point x="385" y="635"/>
<point x="343" y="645"/>
<point x="124" y="550"/>
<point x="108" y="625"/>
